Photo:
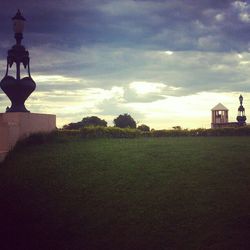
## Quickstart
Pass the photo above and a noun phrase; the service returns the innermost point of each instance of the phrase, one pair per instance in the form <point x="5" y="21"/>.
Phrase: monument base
<point x="15" y="126"/>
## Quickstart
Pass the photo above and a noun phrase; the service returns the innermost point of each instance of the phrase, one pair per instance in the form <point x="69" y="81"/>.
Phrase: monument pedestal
<point x="19" y="125"/>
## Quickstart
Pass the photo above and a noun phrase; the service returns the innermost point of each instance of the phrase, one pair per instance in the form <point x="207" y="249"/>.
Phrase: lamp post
<point x="18" y="27"/>
<point x="241" y="99"/>
<point x="241" y="118"/>
<point x="17" y="89"/>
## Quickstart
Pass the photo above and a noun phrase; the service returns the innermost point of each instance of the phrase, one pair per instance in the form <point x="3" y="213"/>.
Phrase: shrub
<point x="111" y="132"/>
<point x="172" y="132"/>
<point x="116" y="132"/>
<point x="92" y="132"/>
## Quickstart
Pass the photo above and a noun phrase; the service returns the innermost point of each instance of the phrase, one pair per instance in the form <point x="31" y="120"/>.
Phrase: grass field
<point x="145" y="193"/>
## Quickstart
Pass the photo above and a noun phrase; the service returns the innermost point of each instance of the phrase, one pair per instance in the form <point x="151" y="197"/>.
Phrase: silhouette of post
<point x="241" y="118"/>
<point x="17" y="89"/>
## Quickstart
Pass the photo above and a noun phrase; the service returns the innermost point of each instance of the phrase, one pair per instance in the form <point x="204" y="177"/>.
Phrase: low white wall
<point x="15" y="126"/>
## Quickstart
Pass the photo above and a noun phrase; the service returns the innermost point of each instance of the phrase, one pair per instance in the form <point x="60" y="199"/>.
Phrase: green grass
<point x="145" y="193"/>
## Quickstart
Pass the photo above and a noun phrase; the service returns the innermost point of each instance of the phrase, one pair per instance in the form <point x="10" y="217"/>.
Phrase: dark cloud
<point x="176" y="25"/>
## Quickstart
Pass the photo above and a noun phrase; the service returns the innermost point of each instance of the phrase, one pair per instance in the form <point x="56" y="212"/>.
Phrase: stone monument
<point x="18" y="123"/>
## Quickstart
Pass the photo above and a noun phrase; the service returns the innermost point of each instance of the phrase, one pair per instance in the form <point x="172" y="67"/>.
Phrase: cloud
<point x="208" y="43"/>
<point x="132" y="23"/>
<point x="144" y="88"/>
<point x="55" y="78"/>
<point x="173" y="25"/>
<point x="148" y="91"/>
<point x="243" y="9"/>
<point x="111" y="57"/>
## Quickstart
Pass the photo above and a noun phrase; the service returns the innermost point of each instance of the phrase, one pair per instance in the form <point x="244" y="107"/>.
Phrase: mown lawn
<point x="126" y="194"/>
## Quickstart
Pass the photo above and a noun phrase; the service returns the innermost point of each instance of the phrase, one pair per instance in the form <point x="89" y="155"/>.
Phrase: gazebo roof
<point x="219" y="107"/>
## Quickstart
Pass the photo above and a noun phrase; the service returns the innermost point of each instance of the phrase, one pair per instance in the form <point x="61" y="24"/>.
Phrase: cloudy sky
<point x="166" y="63"/>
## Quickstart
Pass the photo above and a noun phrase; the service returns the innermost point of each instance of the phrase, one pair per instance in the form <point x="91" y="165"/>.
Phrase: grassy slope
<point x="158" y="193"/>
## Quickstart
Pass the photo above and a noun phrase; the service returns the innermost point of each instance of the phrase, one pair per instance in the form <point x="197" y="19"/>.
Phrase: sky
<point x="166" y="63"/>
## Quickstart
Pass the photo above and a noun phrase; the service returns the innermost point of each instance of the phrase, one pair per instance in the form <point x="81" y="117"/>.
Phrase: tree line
<point x="122" y="121"/>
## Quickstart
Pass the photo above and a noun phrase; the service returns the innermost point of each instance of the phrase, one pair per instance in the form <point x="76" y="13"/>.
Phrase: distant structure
<point x="241" y="118"/>
<point x="220" y="116"/>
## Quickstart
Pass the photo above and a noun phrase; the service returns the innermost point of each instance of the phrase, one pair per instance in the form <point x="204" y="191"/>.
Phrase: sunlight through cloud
<point x="169" y="52"/>
<point x="143" y="88"/>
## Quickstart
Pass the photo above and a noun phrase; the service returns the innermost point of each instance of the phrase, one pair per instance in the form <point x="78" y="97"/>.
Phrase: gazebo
<point x="219" y="116"/>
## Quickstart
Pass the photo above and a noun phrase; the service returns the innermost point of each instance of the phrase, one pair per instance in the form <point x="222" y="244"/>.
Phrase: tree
<point x="73" y="125"/>
<point x="177" y="127"/>
<point x="144" y="127"/>
<point x="125" y="121"/>
<point x="86" y="122"/>
<point x="93" y="121"/>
